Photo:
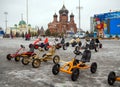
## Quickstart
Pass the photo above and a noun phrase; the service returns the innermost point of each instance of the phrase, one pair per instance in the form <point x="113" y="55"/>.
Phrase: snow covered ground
<point x="15" y="74"/>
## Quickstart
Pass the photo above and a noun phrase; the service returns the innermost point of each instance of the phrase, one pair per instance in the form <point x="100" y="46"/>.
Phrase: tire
<point x="36" y="63"/>
<point x="64" y="47"/>
<point x="9" y="57"/>
<point x="67" y="44"/>
<point x="56" y="59"/>
<point x="46" y="48"/>
<point x="25" y="60"/>
<point x="56" y="69"/>
<point x="43" y="57"/>
<point x="75" y="74"/>
<point x="17" y="58"/>
<point x="80" y="43"/>
<point x="96" y="49"/>
<point x="77" y="48"/>
<point x="73" y="44"/>
<point x="57" y="47"/>
<point x="100" y="45"/>
<point x="111" y="78"/>
<point x="93" y="67"/>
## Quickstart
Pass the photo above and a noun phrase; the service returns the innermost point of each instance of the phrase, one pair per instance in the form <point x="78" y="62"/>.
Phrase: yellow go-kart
<point x="27" y="59"/>
<point x="76" y="41"/>
<point x="112" y="78"/>
<point x="46" y="57"/>
<point x="72" y="67"/>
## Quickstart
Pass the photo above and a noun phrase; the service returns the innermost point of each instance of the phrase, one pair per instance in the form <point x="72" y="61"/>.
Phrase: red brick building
<point x="62" y="25"/>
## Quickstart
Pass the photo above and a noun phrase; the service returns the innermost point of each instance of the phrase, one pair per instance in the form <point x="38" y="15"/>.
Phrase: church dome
<point x="63" y="9"/>
<point x="55" y="15"/>
<point x="22" y="22"/>
<point x="72" y="15"/>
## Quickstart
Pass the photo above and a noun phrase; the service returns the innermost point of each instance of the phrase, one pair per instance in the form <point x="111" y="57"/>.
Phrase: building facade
<point x="20" y="29"/>
<point x="107" y="24"/>
<point x="62" y="25"/>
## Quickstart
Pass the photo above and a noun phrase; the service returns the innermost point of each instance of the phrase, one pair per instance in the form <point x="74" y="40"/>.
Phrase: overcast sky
<point x="40" y="12"/>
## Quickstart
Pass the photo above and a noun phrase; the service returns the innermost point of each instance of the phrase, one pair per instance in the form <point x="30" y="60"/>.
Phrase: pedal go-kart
<point x="72" y="67"/>
<point x="112" y="78"/>
<point x="28" y="54"/>
<point x="27" y="59"/>
<point x="91" y="45"/>
<point x="17" y="54"/>
<point x="61" y="44"/>
<point x="98" y="43"/>
<point x="44" y="44"/>
<point x="75" y="42"/>
<point x="46" y="57"/>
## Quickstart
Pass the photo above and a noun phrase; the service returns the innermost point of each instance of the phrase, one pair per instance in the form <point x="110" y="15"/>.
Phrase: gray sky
<point x="41" y="11"/>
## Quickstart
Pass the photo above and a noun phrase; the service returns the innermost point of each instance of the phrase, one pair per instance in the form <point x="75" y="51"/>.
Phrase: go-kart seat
<point x="92" y="44"/>
<point x="86" y="56"/>
<point x="31" y="46"/>
<point x="51" y="51"/>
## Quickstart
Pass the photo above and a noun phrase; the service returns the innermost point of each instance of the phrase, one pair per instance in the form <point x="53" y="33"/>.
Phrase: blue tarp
<point x="2" y="32"/>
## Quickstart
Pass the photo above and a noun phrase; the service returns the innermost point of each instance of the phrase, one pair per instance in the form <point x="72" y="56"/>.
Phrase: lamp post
<point x="6" y="13"/>
<point x="27" y="14"/>
<point x="79" y="14"/>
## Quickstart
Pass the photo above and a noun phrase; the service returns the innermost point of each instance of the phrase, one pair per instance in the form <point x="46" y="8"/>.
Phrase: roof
<point x="72" y="15"/>
<point x="63" y="9"/>
<point x="22" y="22"/>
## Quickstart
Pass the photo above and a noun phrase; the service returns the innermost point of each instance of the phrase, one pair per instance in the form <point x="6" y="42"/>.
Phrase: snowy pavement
<point x="15" y="74"/>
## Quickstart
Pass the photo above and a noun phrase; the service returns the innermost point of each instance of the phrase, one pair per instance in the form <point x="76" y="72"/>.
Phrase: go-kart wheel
<point x="100" y="45"/>
<point x="56" y="69"/>
<point x="77" y="48"/>
<point x="80" y="43"/>
<point x="111" y="78"/>
<point x="56" y="59"/>
<point x="93" y="67"/>
<point x="96" y="49"/>
<point x="9" y="56"/>
<point x="46" y="48"/>
<point x="73" y="44"/>
<point x="25" y="60"/>
<point x="17" y="58"/>
<point x="75" y="74"/>
<point x="44" y="57"/>
<point x="36" y="63"/>
<point x="67" y="44"/>
<point x="58" y="46"/>
<point x="64" y="47"/>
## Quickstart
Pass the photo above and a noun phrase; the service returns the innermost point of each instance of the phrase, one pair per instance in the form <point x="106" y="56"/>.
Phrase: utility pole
<point x="6" y="13"/>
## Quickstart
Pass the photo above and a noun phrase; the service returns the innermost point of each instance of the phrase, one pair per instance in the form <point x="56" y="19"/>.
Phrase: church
<point x="63" y="25"/>
<point x="20" y="28"/>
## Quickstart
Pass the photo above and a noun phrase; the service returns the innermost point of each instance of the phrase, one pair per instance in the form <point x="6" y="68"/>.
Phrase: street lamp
<point x="27" y="14"/>
<point x="79" y="14"/>
<point x="6" y="13"/>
